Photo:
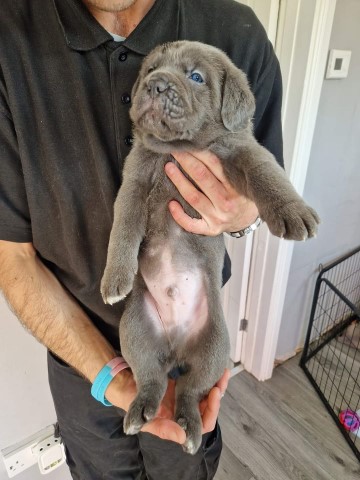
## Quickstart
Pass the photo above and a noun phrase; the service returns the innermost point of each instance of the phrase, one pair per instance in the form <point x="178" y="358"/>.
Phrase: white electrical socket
<point x="18" y="460"/>
<point x="42" y="445"/>
<point x="24" y="454"/>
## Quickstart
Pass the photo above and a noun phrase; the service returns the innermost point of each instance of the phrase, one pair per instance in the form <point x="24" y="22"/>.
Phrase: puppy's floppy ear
<point x="238" y="102"/>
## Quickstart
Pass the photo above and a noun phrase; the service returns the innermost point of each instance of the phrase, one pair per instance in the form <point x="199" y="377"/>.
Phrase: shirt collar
<point x="83" y="33"/>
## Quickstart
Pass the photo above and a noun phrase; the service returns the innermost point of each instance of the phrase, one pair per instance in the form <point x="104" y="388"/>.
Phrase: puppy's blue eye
<point x="197" y="77"/>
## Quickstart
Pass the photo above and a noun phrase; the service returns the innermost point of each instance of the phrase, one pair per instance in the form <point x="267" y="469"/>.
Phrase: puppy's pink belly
<point x="177" y="302"/>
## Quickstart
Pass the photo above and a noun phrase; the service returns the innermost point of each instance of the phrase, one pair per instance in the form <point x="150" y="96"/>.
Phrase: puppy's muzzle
<point x="157" y="86"/>
<point x="168" y="96"/>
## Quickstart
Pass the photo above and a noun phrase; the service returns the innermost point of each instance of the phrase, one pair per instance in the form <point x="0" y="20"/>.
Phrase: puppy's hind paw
<point x="140" y="412"/>
<point x="131" y="429"/>
<point x="193" y="435"/>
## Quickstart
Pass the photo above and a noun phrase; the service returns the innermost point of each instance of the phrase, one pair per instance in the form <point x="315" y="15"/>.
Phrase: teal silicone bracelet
<point x="104" y="377"/>
<point x="100" y="385"/>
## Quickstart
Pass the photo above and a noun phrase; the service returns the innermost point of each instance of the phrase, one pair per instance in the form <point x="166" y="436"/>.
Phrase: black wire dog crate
<point x="331" y="356"/>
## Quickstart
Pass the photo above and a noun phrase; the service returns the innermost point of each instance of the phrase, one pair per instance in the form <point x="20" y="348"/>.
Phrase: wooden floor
<point x="280" y="430"/>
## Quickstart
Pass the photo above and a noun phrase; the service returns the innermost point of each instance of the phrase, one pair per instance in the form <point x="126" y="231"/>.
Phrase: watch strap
<point x="247" y="230"/>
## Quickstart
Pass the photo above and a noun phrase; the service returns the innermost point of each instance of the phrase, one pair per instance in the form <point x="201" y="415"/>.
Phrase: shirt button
<point x="129" y="140"/>
<point x="122" y="57"/>
<point x="126" y="98"/>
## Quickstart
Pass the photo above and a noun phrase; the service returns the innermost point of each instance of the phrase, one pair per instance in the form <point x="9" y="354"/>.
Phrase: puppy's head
<point x="188" y="89"/>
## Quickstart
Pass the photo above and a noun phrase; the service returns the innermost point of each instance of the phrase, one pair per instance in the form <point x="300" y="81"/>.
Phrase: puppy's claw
<point x="189" y="447"/>
<point x="132" y="429"/>
<point x="113" y="299"/>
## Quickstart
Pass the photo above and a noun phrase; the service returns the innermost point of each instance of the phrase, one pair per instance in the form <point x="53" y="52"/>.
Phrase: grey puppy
<point x="188" y="96"/>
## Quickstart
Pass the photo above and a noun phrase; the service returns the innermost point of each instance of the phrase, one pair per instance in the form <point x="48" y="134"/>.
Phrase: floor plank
<point x="231" y="467"/>
<point x="280" y="430"/>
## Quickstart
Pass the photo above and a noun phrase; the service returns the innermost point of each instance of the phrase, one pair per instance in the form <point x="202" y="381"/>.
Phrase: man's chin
<point x="112" y="6"/>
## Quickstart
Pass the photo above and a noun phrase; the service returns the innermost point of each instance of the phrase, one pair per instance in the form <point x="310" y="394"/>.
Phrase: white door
<point x="235" y="291"/>
<point x="303" y="35"/>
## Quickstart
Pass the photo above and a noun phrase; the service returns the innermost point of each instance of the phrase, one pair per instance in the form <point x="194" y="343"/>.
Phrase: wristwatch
<point x="247" y="230"/>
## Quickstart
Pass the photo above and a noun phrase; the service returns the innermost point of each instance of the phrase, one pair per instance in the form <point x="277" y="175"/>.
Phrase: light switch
<point x="338" y="64"/>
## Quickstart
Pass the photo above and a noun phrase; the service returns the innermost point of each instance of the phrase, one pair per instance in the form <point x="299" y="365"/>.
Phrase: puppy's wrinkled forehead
<point x="184" y="56"/>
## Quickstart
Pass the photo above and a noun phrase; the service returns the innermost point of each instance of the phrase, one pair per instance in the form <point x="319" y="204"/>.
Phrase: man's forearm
<point x="49" y="312"/>
<point x="54" y="317"/>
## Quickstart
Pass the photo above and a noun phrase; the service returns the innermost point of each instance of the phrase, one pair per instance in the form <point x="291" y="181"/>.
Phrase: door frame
<point x="234" y="293"/>
<point x="271" y="257"/>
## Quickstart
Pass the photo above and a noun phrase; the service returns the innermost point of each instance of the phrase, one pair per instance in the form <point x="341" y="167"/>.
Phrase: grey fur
<point x="172" y="112"/>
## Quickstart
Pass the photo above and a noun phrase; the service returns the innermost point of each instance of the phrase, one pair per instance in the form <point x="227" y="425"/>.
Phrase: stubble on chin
<point x="110" y="5"/>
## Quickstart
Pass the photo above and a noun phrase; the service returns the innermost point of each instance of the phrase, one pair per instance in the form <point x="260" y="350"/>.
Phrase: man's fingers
<point x="204" y="177"/>
<point x="188" y="191"/>
<point x="211" y="411"/>
<point x="165" y="429"/>
<point x="224" y="380"/>
<point x="219" y="205"/>
<point x="192" y="164"/>
<point x="193" y="225"/>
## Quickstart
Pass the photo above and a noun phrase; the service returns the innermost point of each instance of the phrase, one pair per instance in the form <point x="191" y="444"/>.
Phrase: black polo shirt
<point x="65" y="93"/>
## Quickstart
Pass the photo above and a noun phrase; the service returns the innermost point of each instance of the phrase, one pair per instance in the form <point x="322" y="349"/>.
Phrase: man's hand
<point x="122" y="392"/>
<point x="209" y="410"/>
<point x="221" y="207"/>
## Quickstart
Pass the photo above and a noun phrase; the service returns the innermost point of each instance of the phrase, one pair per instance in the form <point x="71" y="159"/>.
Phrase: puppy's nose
<point x="156" y="86"/>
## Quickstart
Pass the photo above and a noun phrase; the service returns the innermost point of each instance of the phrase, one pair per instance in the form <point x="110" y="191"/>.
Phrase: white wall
<point x="333" y="181"/>
<point x="25" y="400"/>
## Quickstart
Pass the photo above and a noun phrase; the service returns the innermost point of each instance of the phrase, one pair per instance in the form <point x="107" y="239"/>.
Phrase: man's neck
<point x="122" y="22"/>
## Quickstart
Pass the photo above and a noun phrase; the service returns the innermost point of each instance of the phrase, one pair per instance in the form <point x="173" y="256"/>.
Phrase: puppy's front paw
<point x="116" y="284"/>
<point x="294" y="221"/>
